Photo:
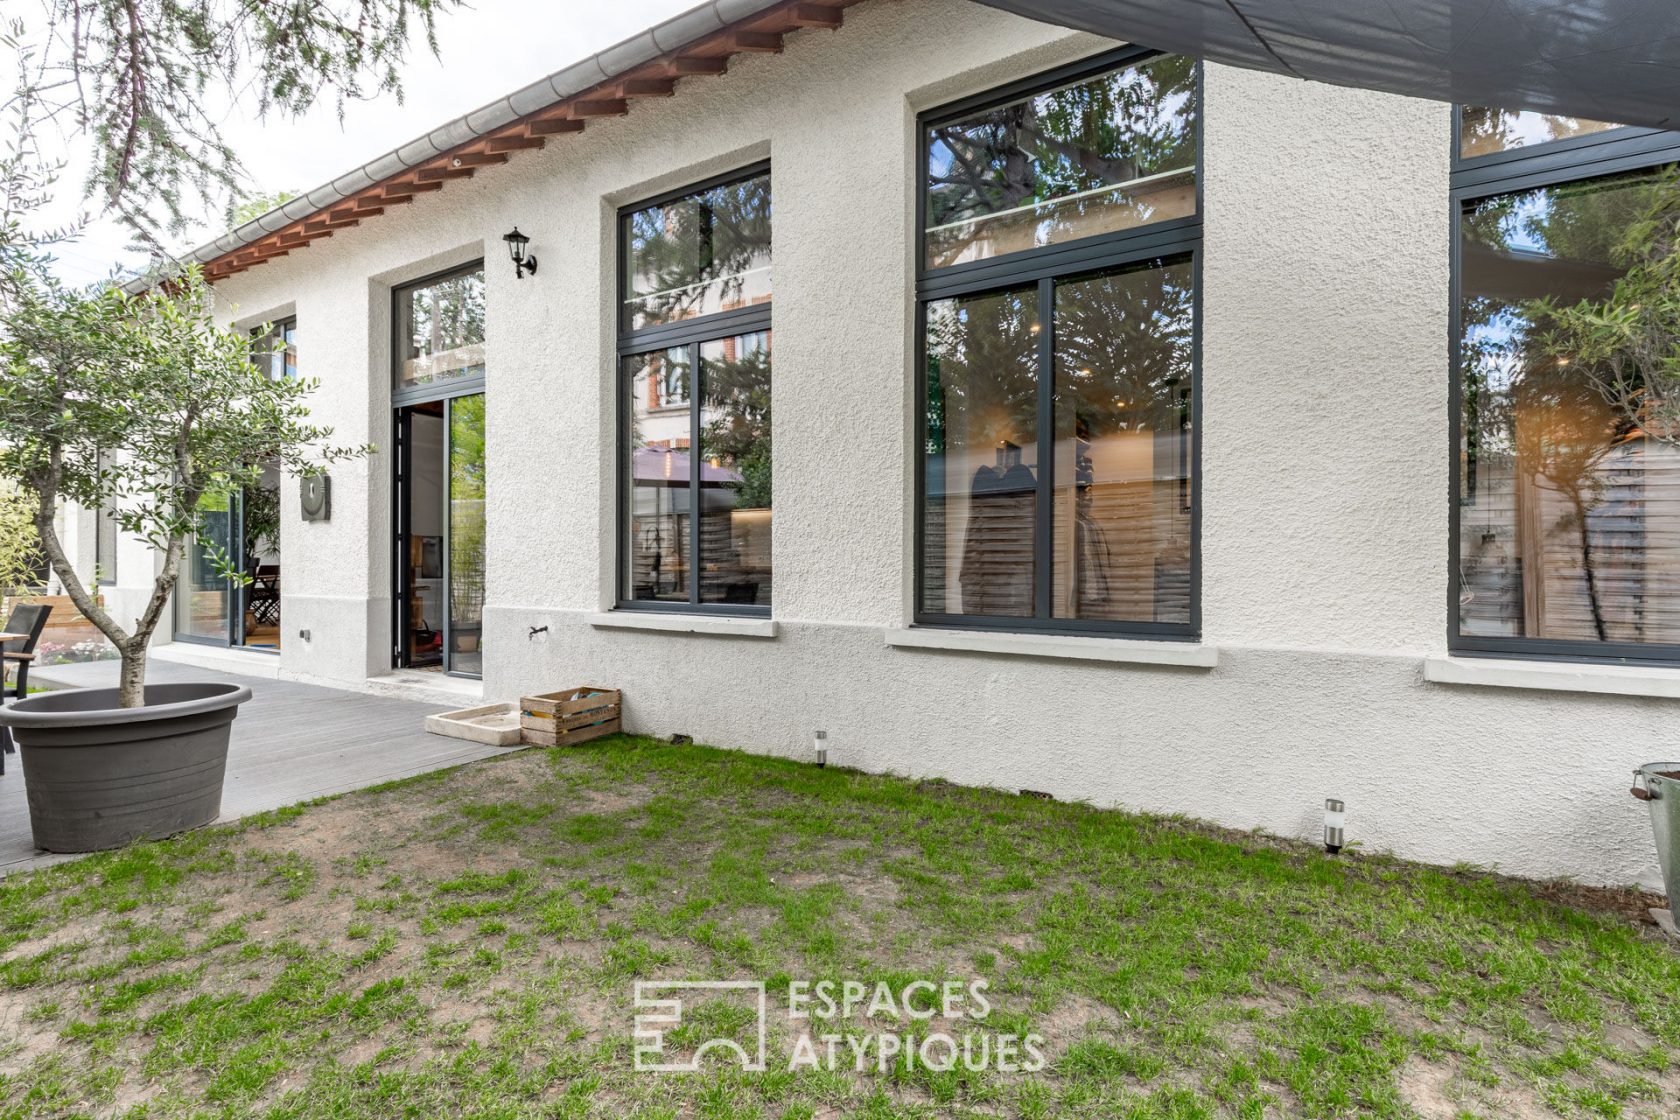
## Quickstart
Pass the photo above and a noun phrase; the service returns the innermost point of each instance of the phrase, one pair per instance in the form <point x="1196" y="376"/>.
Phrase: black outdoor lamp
<point x="522" y="264"/>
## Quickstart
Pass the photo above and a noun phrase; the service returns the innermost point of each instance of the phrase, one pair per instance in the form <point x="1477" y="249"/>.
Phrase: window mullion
<point x="1043" y="541"/>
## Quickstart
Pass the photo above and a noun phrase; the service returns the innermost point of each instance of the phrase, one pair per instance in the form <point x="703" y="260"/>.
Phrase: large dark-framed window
<point x="693" y="386"/>
<point x="1057" y="483"/>
<point x="1565" y="491"/>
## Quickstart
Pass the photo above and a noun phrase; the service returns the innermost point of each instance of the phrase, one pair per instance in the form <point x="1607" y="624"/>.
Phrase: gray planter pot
<point x="100" y="776"/>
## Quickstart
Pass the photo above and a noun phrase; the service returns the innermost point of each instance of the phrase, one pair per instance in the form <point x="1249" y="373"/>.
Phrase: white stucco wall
<point x="1325" y="388"/>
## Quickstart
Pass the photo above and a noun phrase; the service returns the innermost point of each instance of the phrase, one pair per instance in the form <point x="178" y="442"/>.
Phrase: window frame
<point x="689" y="335"/>
<point x="434" y="390"/>
<point x="275" y="331"/>
<point x="1577" y="159"/>
<point x="1157" y="244"/>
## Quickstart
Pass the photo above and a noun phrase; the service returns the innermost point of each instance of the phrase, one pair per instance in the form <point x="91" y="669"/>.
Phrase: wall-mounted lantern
<point x="522" y="264"/>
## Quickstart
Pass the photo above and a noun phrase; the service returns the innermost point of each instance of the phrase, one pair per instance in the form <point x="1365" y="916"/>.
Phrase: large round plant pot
<point x="100" y="776"/>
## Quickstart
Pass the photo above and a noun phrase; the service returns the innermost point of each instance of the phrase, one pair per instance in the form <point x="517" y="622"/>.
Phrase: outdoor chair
<point x="28" y="619"/>
<point x="263" y="595"/>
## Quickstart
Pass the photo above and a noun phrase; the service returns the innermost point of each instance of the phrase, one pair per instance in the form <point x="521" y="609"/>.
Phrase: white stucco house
<point x="1145" y="431"/>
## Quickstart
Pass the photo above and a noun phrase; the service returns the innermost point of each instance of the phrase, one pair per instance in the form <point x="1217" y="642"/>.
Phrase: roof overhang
<point x="1608" y="60"/>
<point x="698" y="43"/>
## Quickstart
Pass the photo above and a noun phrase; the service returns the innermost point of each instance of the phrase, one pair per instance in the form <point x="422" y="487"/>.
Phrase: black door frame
<point x="403" y="526"/>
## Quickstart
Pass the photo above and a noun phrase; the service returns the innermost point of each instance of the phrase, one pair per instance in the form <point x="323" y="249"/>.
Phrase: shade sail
<point x="1609" y="60"/>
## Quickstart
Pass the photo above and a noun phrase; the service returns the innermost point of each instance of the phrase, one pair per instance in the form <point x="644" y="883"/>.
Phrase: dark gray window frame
<point x="690" y="335"/>
<point x="401" y="466"/>
<point x="1179" y="239"/>
<point x="1599" y="155"/>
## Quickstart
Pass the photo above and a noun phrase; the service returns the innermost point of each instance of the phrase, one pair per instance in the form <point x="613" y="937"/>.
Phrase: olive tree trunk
<point x="131" y="645"/>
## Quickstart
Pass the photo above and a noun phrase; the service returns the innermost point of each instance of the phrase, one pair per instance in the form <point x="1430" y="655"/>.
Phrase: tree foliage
<point x="154" y="376"/>
<point x="20" y="548"/>
<point x="147" y="81"/>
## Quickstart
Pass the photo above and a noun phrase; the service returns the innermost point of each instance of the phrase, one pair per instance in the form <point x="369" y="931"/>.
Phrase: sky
<point x="487" y="51"/>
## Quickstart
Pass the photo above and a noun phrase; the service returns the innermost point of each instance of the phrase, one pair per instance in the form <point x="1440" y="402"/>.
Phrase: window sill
<point x="1612" y="680"/>
<point x="1128" y="651"/>
<point x="684" y="623"/>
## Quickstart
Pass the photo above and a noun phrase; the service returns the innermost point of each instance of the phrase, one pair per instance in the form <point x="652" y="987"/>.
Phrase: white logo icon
<point x="657" y="1015"/>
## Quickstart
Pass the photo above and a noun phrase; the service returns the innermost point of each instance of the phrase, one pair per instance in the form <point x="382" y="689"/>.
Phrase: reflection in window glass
<point x="275" y="350"/>
<point x="1484" y="131"/>
<point x="701" y="254"/>
<point x="981" y="455"/>
<point x="657" y="555"/>
<point x="735" y="470"/>
<point x="1106" y="154"/>
<point x="440" y="330"/>
<point x="466" y="534"/>
<point x="1121" y="508"/>
<point x="1569" y="518"/>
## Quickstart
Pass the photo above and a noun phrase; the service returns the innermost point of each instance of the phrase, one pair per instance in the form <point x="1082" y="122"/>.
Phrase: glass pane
<point x="259" y="558"/>
<point x="105" y="546"/>
<point x="276" y="351"/>
<point x="1569" y="519"/>
<point x="466" y="534"/>
<point x="1484" y="131"/>
<point x="1106" y="154"/>
<point x="706" y="253"/>
<point x="981" y="454"/>
<point x="1121" y="510"/>
<point x="427" y="498"/>
<point x="203" y="596"/>
<point x="735" y="470"/>
<point x="440" y="331"/>
<point x="657" y="553"/>
<point x="288" y="354"/>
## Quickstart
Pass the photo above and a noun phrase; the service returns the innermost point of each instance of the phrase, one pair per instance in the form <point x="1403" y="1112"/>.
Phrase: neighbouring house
<point x="1017" y="406"/>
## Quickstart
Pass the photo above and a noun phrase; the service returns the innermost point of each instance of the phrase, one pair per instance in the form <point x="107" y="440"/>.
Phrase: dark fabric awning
<point x="1609" y="60"/>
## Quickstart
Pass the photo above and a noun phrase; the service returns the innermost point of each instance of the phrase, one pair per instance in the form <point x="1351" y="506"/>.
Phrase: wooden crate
<point x="569" y="717"/>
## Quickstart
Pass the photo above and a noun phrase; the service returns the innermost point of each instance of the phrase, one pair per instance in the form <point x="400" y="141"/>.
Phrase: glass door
<point x="440" y="535"/>
<point x="239" y="532"/>
<point x="466" y="536"/>
<point x="203" y="594"/>
<point x="257" y="518"/>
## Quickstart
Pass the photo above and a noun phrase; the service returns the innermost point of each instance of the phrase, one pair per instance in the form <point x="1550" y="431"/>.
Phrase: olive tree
<point x="141" y="405"/>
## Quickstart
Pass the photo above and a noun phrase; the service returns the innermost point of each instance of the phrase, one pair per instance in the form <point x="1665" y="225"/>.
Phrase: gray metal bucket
<point x="1661" y="792"/>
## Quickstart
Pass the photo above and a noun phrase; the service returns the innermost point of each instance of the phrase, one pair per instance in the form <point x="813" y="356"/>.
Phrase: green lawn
<point x="466" y="945"/>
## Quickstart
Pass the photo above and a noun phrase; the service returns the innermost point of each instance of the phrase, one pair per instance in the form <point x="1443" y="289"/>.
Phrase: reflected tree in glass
<point x="1123" y="391"/>
<point x="1569" y="473"/>
<point x="735" y="469"/>
<point x="1033" y="172"/>
<point x="982" y="447"/>
<point x="699" y="255"/>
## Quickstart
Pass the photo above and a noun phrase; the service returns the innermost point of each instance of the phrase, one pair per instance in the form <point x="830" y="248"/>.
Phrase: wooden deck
<point x="292" y="742"/>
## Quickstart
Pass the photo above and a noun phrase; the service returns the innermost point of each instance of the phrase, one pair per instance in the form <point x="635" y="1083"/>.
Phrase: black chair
<point x="28" y="619"/>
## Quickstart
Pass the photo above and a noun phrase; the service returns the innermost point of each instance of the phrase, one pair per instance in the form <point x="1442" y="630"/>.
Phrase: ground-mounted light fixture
<point x="522" y="263"/>
<point x="1335" y="817"/>
<point x="821" y="746"/>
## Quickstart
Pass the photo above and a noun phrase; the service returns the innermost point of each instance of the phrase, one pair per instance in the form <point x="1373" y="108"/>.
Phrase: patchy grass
<point x="467" y="944"/>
